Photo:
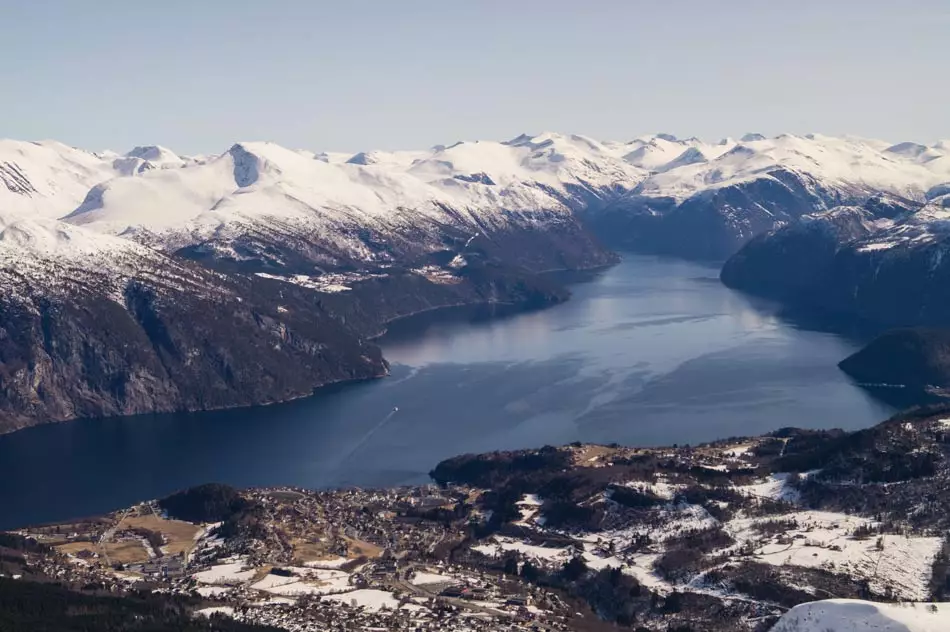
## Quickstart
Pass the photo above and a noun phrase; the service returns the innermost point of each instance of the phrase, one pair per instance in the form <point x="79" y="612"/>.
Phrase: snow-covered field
<point x="422" y="578"/>
<point x="331" y="562"/>
<point x="229" y="573"/>
<point x="305" y="580"/>
<point x="500" y="544"/>
<point x="845" y="615"/>
<point x="775" y="486"/>
<point x="212" y="591"/>
<point x="825" y="540"/>
<point x="368" y="598"/>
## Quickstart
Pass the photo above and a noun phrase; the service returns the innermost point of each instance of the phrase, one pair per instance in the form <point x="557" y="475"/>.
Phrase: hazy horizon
<point x="197" y="77"/>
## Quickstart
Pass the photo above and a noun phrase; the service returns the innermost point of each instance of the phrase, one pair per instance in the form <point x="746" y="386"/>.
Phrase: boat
<point x="395" y="409"/>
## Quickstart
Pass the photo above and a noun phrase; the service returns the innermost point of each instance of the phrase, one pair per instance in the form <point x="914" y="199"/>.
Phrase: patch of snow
<point x="422" y="578"/>
<point x="227" y="611"/>
<point x="825" y="540"/>
<point x="666" y="522"/>
<point x="661" y="488"/>
<point x="739" y="451"/>
<point x="333" y="562"/>
<point x="848" y="615"/>
<point x="775" y="486"/>
<point x="873" y="247"/>
<point x="230" y="573"/>
<point x="502" y="544"/>
<point x="370" y="599"/>
<point x="212" y="591"/>
<point x="274" y="581"/>
<point x="290" y="588"/>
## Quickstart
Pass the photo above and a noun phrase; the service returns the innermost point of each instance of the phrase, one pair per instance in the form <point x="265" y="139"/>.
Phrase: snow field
<point x="824" y="540"/>
<point x="846" y="615"/>
<point x="368" y="598"/>
<point x="229" y="573"/>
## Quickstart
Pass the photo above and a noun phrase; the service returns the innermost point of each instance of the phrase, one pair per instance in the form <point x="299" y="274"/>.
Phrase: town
<point x="725" y="536"/>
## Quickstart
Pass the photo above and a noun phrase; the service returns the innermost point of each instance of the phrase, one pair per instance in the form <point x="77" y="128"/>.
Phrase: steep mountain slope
<point x="94" y="325"/>
<point x="891" y="272"/>
<point x="918" y="358"/>
<point x="790" y="261"/>
<point x="709" y="200"/>
<point x="888" y="272"/>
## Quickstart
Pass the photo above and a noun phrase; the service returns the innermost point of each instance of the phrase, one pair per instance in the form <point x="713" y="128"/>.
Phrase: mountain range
<point x="152" y="281"/>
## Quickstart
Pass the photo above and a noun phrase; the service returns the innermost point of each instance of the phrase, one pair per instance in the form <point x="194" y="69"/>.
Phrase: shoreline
<point x="283" y="400"/>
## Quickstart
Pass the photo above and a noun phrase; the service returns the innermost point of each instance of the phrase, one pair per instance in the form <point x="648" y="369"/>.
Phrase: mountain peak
<point x="153" y="153"/>
<point x="247" y="164"/>
<point x="363" y="158"/>
<point x="520" y="139"/>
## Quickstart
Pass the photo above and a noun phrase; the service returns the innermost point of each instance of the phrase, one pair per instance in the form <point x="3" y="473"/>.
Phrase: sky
<point x="341" y="75"/>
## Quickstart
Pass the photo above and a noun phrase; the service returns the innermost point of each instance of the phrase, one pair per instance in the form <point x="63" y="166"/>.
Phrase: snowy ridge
<point x="378" y="207"/>
<point x="265" y="187"/>
<point x="47" y="179"/>
<point x="848" y="163"/>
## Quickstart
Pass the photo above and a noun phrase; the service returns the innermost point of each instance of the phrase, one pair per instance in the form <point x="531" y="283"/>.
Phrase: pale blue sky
<point x="198" y="75"/>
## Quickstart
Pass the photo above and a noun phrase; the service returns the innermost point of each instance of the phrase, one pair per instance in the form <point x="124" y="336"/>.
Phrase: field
<point x="305" y="551"/>
<point x="73" y="548"/>
<point x="358" y="548"/>
<point x="126" y="552"/>
<point x="179" y="536"/>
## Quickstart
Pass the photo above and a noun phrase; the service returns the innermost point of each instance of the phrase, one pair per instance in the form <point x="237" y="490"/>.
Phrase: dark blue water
<point x="649" y="352"/>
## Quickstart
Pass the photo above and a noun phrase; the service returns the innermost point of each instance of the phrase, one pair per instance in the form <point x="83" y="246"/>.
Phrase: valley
<point x="228" y="318"/>
<point x="288" y="262"/>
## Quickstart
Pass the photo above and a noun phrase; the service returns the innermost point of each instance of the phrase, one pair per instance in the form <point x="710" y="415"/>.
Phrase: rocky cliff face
<point x="219" y="342"/>
<point x="852" y="262"/>
<point x="789" y="263"/>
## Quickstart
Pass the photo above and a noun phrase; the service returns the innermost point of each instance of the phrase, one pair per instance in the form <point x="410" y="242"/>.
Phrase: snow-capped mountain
<point x="49" y="179"/>
<point x="93" y="325"/>
<point x="103" y="314"/>
<point x="265" y="205"/>
<point x="657" y="193"/>
<point x="708" y="200"/>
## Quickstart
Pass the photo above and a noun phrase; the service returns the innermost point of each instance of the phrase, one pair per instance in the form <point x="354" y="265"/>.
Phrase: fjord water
<point x="649" y="352"/>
